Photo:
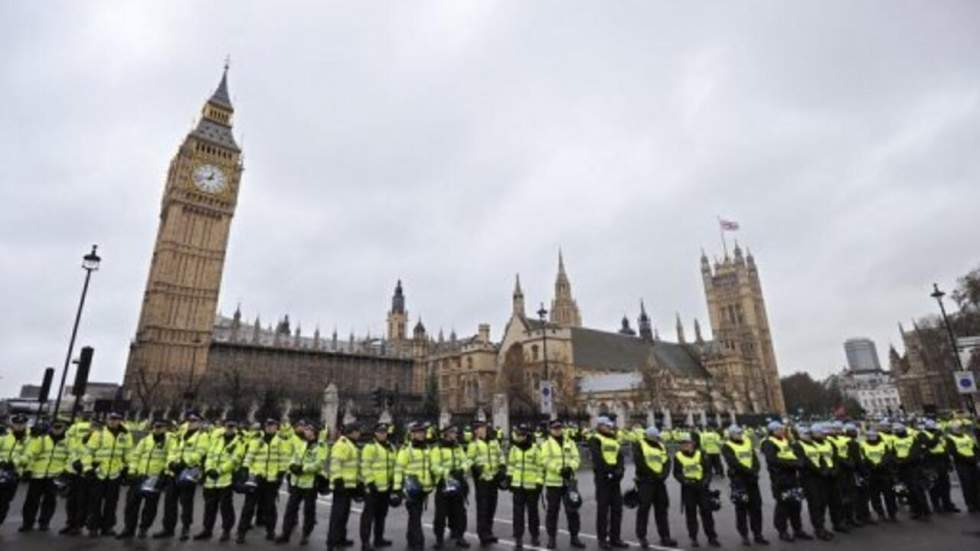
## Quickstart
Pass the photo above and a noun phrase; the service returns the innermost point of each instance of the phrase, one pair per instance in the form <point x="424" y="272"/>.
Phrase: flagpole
<point x="721" y="230"/>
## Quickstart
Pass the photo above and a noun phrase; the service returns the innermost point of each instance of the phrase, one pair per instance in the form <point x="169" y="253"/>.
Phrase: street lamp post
<point x="938" y="295"/>
<point x="546" y="382"/>
<point x="90" y="263"/>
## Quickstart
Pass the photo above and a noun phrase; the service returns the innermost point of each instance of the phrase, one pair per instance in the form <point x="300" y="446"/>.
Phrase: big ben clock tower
<point x="169" y="354"/>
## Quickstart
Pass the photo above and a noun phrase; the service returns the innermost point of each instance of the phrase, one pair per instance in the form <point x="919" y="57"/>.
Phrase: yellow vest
<point x="903" y="446"/>
<point x="690" y="465"/>
<point x="486" y="454"/>
<point x="446" y="459"/>
<point x="874" y="453"/>
<point x="415" y="462"/>
<point x="964" y="445"/>
<point x="109" y="451"/>
<point x="224" y="458"/>
<point x="841" y="441"/>
<point x="711" y="442"/>
<point x="47" y="458"/>
<point x="148" y="458"/>
<point x="784" y="450"/>
<point x="311" y="456"/>
<point x="344" y="460"/>
<point x="655" y="457"/>
<point x="267" y="459"/>
<point x="743" y="451"/>
<point x="557" y="455"/>
<point x="378" y="465"/>
<point x="524" y="467"/>
<point x="610" y="449"/>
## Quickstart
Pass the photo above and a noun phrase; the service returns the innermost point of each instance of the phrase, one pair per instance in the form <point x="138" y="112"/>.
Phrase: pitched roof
<point x="604" y="351"/>
<point x="611" y="382"/>
<point x="220" y="95"/>
<point x="215" y="133"/>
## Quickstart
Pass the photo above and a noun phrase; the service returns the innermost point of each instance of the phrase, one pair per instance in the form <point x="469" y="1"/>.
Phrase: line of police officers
<point x="841" y="475"/>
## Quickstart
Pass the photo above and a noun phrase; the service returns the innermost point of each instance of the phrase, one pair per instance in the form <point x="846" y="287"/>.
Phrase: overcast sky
<point x="454" y="144"/>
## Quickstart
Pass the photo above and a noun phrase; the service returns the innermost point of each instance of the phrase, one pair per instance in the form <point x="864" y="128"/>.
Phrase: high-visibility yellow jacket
<point x="414" y="461"/>
<point x="344" y="461"/>
<point x="378" y="465"/>
<point x="190" y="449"/>
<point x="267" y="459"/>
<point x="710" y="442"/>
<point x="524" y="466"/>
<point x="556" y="455"/>
<point x="487" y="455"/>
<point x="310" y="456"/>
<point x="47" y="457"/>
<point x="225" y="457"/>
<point x="107" y="452"/>
<point x="150" y="457"/>
<point x="446" y="459"/>
<point x="13" y="450"/>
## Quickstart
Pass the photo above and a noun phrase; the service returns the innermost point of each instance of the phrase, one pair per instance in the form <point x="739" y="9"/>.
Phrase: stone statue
<point x="445" y="418"/>
<point x="385" y="416"/>
<point x="331" y="405"/>
<point x="349" y="412"/>
<point x="253" y="408"/>
<point x="501" y="413"/>
<point x="287" y="407"/>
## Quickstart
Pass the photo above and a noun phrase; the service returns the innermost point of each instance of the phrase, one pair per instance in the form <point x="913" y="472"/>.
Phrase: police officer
<point x="848" y="456"/>
<point x="13" y="455"/>
<point x="147" y="464"/>
<point x="266" y="459"/>
<point x="378" y="471"/>
<point x="485" y="464"/>
<point x="652" y="461"/>
<point x="710" y="445"/>
<point x="224" y="457"/>
<point x="76" y="504"/>
<point x="964" y="452"/>
<point x="909" y="459"/>
<point x="344" y="481"/>
<point x="816" y="475"/>
<point x="784" y="467"/>
<point x="108" y="449"/>
<point x="524" y="471"/>
<point x="449" y="463"/>
<point x="743" y="468"/>
<point x="47" y="459"/>
<point x="608" y="469"/>
<point x="877" y="460"/>
<point x="692" y="470"/>
<point x="560" y="459"/>
<point x="413" y="475"/>
<point x="307" y="462"/>
<point x="938" y="462"/>
<point x="186" y="465"/>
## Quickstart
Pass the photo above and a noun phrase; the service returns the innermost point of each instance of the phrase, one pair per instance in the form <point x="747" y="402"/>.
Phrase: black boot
<point x="204" y="535"/>
<point x="551" y="543"/>
<point x="577" y="543"/>
<point x="163" y="534"/>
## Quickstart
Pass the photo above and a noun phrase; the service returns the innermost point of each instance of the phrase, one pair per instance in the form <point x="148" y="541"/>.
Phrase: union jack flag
<point x="728" y="225"/>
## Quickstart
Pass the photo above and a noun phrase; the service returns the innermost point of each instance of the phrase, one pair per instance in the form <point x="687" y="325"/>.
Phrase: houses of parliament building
<point x="183" y="351"/>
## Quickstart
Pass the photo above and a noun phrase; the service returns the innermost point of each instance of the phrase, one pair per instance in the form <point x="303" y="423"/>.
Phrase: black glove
<point x="338" y="485"/>
<point x="477" y="471"/>
<point x="77" y="466"/>
<point x="27" y="475"/>
<point x="212" y="474"/>
<point x="174" y="467"/>
<point x="618" y="474"/>
<point x="296" y="469"/>
<point x="372" y="488"/>
<point x="6" y="465"/>
<point x="124" y="473"/>
<point x="539" y="488"/>
<point x="457" y="474"/>
<point x="567" y="472"/>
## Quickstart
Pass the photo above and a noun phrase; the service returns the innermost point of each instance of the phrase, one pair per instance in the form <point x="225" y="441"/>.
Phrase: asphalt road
<point x="958" y="531"/>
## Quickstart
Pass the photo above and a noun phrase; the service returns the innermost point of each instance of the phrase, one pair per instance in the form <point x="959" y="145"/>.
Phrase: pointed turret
<point x="564" y="310"/>
<point x="256" y="330"/>
<point x="697" y="332"/>
<point x="644" y="323"/>
<point x="680" y="330"/>
<point x="625" y="329"/>
<point x="419" y="331"/>
<point x="220" y="96"/>
<point x="215" y="123"/>
<point x="398" y="299"/>
<point x="316" y="337"/>
<point x="518" y="297"/>
<point x="705" y="264"/>
<point x="397" y="316"/>
<point x="739" y="259"/>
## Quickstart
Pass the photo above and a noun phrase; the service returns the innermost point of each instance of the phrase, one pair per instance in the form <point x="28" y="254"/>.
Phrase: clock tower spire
<point x="168" y="355"/>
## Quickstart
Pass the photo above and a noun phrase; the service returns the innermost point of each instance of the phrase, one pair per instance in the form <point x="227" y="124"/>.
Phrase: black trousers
<point x="526" y="504"/>
<point x="862" y="503"/>
<point x="939" y="493"/>
<point x="880" y="489"/>
<point x="450" y="510"/>
<point x="102" y="504"/>
<point x="695" y="500"/>
<point x="786" y="512"/>
<point x="76" y="505"/>
<point x="339" y="515"/>
<point x="373" y="516"/>
<point x="553" y="501"/>
<point x="717" y="466"/>
<point x="134" y="500"/>
<point x="40" y="495"/>
<point x="748" y="515"/>
<point x="653" y="493"/>
<point x="969" y="484"/>
<point x="182" y="495"/>
<point x="486" y="508"/>
<point x="299" y="496"/>
<point x="263" y="499"/>
<point x="817" y="493"/>
<point x="216" y="499"/>
<point x="848" y="493"/>
<point x="415" y="537"/>
<point x="911" y="476"/>
<point x="6" y="496"/>
<point x="609" y="510"/>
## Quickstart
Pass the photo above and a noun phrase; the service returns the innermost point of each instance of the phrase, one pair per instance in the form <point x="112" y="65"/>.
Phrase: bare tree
<point x="656" y="384"/>
<point x="146" y="387"/>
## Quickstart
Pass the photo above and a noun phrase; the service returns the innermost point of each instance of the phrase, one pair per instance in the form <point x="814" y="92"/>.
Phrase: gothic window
<point x="469" y="363"/>
<point x="534" y="352"/>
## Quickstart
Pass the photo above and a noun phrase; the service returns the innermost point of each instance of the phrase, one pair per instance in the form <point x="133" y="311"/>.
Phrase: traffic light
<point x="42" y="396"/>
<point x="81" y="376"/>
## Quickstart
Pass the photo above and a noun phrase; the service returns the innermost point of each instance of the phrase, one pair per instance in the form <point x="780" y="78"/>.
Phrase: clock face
<point x="209" y="178"/>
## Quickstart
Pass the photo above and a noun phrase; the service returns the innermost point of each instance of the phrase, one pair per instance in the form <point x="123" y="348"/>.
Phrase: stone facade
<point x="924" y="373"/>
